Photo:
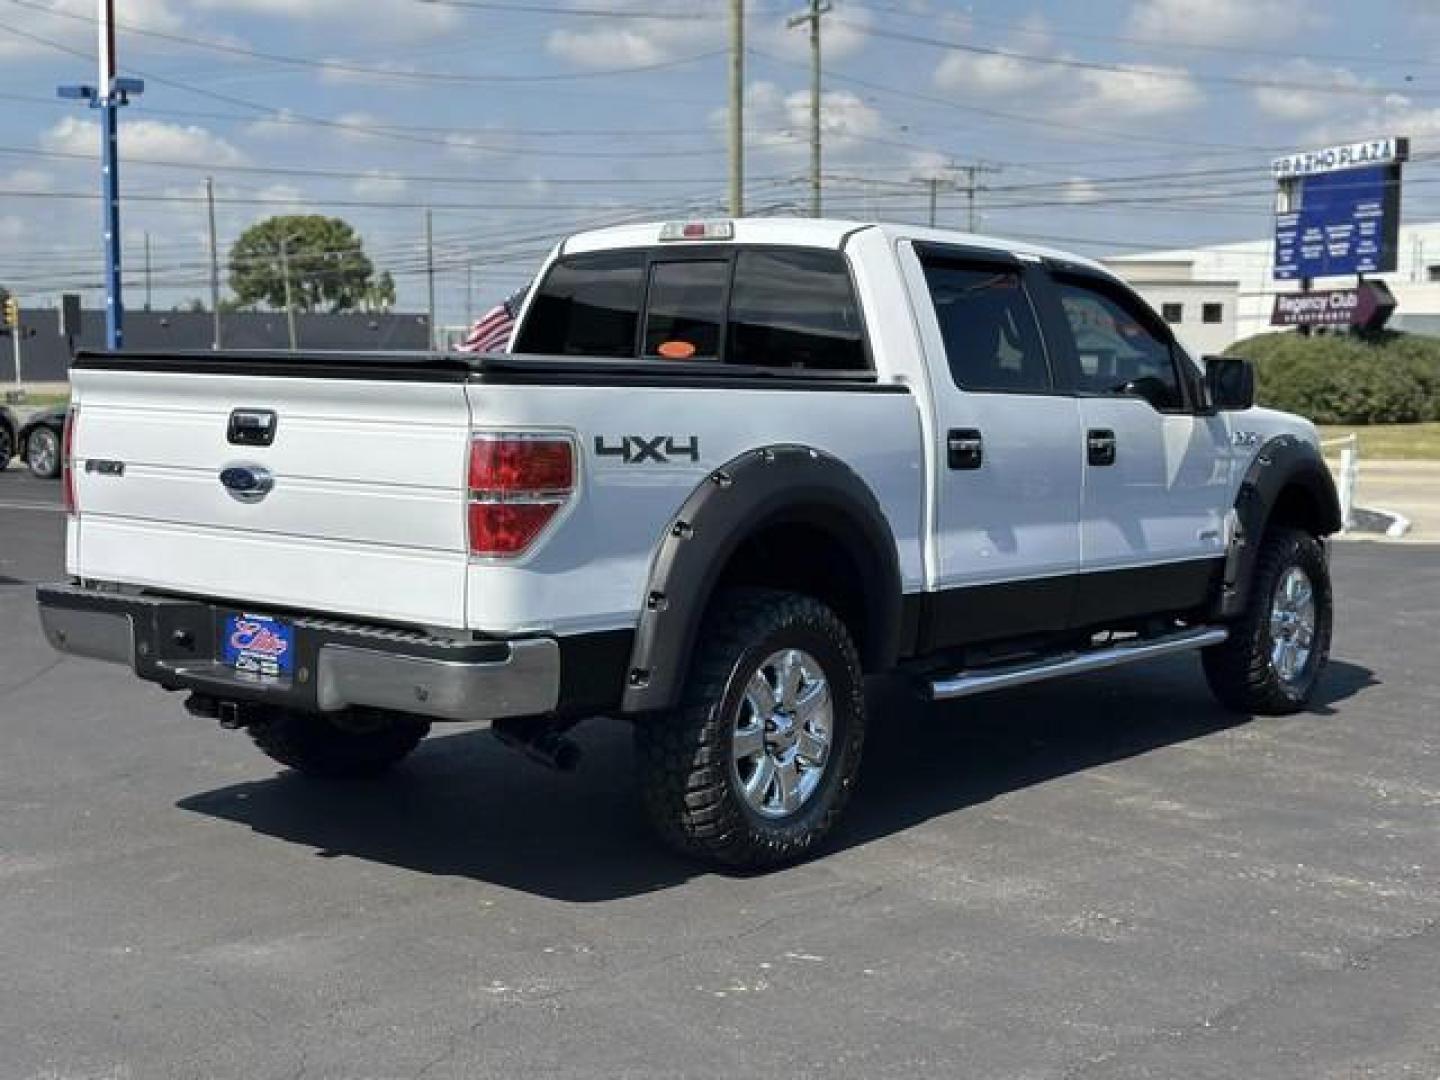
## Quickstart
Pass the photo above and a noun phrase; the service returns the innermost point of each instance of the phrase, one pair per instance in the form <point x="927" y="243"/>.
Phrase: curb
<point x="1375" y="521"/>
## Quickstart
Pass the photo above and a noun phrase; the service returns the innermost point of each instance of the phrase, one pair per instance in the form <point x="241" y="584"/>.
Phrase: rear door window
<point x="795" y="308"/>
<point x="991" y="335"/>
<point x="589" y="305"/>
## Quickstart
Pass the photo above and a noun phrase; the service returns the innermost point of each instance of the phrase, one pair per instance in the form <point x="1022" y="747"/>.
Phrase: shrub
<point x="1390" y="378"/>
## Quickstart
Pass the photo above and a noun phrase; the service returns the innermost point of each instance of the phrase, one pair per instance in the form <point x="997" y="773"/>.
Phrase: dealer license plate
<point x="259" y="645"/>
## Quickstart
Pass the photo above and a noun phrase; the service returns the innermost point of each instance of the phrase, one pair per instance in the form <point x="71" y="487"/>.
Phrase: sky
<point x="1103" y="126"/>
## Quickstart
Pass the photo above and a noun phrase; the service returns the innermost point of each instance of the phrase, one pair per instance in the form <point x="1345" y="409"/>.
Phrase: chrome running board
<point x="983" y="680"/>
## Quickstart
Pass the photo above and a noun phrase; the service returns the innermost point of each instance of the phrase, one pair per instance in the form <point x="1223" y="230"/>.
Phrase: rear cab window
<point x="753" y="307"/>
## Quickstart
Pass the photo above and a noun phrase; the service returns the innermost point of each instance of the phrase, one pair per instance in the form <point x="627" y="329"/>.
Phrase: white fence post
<point x="1349" y="475"/>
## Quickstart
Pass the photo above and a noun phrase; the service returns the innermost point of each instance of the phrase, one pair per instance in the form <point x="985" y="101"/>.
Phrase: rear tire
<point x="42" y="454"/>
<point x="7" y="446"/>
<point x="754" y="769"/>
<point x="1276" y="652"/>
<point x="358" y="743"/>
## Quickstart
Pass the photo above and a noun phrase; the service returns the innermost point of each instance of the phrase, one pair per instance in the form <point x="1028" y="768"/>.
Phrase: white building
<point x="1247" y="265"/>
<point x="1201" y="311"/>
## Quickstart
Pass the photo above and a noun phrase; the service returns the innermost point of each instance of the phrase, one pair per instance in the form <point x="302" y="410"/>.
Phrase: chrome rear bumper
<point x="175" y="642"/>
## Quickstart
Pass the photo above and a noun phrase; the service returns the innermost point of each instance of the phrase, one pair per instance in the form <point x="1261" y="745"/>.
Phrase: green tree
<point x="380" y="297"/>
<point x="329" y="270"/>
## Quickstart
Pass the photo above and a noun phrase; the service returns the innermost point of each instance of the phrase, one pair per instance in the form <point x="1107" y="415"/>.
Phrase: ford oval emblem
<point x="247" y="483"/>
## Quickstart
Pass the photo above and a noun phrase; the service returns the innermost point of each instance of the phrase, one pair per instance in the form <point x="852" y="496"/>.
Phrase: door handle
<point x="1100" y="446"/>
<point x="965" y="448"/>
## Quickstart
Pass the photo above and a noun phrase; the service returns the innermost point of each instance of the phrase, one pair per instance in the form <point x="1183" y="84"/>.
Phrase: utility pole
<point x="430" y="272"/>
<point x="469" y="293"/>
<point x="818" y="8"/>
<point x="971" y="187"/>
<point x="737" y="108"/>
<point x="289" y="296"/>
<point x="934" y="196"/>
<point x="147" y="271"/>
<point x="108" y="96"/>
<point x="216" y="343"/>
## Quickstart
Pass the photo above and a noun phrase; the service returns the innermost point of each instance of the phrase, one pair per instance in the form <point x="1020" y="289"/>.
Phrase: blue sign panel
<point x="1339" y="223"/>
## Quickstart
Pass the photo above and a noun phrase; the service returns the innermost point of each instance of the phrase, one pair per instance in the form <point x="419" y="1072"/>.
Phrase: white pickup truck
<point x="729" y="469"/>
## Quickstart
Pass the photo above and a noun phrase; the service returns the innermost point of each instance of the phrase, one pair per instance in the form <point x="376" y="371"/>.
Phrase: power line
<point x="1068" y="33"/>
<point x="1122" y="69"/>
<point x="370" y="71"/>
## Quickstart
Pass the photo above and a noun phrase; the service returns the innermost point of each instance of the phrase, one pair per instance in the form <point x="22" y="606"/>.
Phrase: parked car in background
<point x="38" y="442"/>
<point x="9" y="434"/>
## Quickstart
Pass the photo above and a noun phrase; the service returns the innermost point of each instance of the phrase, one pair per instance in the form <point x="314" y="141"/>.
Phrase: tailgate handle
<point x="252" y="427"/>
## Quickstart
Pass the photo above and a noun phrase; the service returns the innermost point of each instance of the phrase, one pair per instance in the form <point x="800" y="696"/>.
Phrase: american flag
<point x="492" y="332"/>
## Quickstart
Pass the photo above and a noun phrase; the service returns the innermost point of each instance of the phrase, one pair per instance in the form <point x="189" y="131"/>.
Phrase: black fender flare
<point x="1282" y="462"/>
<point x="757" y="490"/>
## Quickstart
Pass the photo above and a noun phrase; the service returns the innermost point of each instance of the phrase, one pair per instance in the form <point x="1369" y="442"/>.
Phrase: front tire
<point x="754" y="769"/>
<point x="42" y="454"/>
<point x="7" y="447"/>
<point x="357" y="743"/>
<point x="1276" y="652"/>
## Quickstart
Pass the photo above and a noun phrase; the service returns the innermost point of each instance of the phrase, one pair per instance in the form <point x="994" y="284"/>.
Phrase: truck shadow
<point x="464" y="806"/>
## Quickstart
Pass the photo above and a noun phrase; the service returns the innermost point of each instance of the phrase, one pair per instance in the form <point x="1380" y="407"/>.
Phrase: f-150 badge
<point x="656" y="449"/>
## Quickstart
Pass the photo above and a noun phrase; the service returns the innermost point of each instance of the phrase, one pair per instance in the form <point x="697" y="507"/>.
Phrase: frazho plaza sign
<point x="1336" y="158"/>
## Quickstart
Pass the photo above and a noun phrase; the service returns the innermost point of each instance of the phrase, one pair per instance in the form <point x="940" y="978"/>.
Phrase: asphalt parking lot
<point x="1101" y="878"/>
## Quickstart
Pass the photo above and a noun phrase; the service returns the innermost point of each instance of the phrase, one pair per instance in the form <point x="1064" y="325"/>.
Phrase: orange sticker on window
<point x="676" y="350"/>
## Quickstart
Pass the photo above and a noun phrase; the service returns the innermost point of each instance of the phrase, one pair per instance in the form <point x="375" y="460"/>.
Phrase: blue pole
<point x="110" y="183"/>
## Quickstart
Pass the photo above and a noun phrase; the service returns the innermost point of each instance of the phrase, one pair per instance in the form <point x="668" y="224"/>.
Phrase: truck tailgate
<point x="366" y="512"/>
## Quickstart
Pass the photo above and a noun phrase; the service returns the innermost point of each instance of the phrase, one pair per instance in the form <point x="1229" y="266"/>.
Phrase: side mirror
<point x="1231" y="383"/>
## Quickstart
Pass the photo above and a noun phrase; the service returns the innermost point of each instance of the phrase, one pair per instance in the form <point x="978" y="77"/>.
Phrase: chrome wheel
<point x="783" y="732"/>
<point x="43" y="453"/>
<point x="1292" y="625"/>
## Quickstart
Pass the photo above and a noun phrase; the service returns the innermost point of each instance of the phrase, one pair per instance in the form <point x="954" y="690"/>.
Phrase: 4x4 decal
<point x="659" y="449"/>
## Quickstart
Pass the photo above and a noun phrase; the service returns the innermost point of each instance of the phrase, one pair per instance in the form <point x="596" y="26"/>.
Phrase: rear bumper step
<point x="983" y="680"/>
<point x="175" y="642"/>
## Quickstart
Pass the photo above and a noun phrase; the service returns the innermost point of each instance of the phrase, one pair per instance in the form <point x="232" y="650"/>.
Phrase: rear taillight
<point x="518" y="484"/>
<point x="67" y="470"/>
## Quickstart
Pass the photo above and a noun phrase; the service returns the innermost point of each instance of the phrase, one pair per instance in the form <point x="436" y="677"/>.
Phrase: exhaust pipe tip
<point x="202" y="706"/>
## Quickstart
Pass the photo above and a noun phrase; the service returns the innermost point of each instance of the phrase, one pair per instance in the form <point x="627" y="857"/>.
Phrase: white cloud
<point x="780" y="122"/>
<point x="997" y="74"/>
<point x="1136" y="93"/>
<point x="842" y="36"/>
<point x="1078" y="190"/>
<point x="1218" y="22"/>
<point x="378" y="184"/>
<point x="73" y="26"/>
<point x="11" y="228"/>
<point x="1287" y="103"/>
<point x="388" y="19"/>
<point x="1394" y="115"/>
<point x="630" y="41"/>
<point x="153" y="139"/>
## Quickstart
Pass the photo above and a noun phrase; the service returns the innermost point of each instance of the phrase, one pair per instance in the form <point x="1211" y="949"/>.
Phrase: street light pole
<point x="108" y="96"/>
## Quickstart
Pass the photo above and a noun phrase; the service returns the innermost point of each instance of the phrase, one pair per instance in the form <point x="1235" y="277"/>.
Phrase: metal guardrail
<point x="1349" y="475"/>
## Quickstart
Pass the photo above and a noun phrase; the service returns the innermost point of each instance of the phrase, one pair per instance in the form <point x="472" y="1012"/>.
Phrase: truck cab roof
<point x="828" y="233"/>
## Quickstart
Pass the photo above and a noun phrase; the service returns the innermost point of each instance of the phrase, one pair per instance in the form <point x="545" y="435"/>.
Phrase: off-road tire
<point x="688" y="778"/>
<point x="1240" y="671"/>
<point x="361" y="744"/>
<point x="52" y="469"/>
<point x="7" y="446"/>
